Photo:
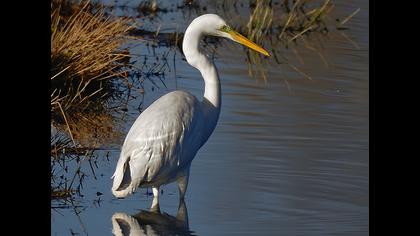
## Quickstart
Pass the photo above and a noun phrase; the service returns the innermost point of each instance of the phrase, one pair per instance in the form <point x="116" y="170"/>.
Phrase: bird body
<point x="161" y="143"/>
<point x="166" y="136"/>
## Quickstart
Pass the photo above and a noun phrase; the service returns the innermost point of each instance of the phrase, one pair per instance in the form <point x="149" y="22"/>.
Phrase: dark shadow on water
<point x="153" y="222"/>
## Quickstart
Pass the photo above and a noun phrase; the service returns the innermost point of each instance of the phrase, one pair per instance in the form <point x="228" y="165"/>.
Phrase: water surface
<point x="288" y="156"/>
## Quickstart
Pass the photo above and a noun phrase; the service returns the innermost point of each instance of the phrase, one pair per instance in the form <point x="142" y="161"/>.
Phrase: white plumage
<point x="166" y="136"/>
<point x="161" y="144"/>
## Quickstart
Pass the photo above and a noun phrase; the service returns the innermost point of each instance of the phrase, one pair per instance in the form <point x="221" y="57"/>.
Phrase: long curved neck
<point x="190" y="46"/>
<point x="212" y="93"/>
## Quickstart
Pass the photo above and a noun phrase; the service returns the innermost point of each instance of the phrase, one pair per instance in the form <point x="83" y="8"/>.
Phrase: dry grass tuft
<point x="283" y="24"/>
<point x="87" y="46"/>
<point x="86" y="53"/>
<point x="93" y="130"/>
<point x="260" y="20"/>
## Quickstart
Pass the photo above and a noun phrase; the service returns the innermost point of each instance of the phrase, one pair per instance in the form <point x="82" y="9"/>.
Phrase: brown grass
<point x="87" y="45"/>
<point x="93" y="130"/>
<point x="260" y="20"/>
<point x="86" y="53"/>
<point x="283" y="25"/>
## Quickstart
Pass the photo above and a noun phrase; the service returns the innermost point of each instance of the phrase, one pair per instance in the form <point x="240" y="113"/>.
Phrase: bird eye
<point x="225" y="28"/>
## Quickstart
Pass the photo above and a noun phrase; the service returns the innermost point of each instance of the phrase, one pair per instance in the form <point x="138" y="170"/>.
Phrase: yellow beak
<point x="244" y="41"/>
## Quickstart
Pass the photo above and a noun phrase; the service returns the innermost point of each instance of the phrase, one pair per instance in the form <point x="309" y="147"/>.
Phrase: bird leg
<point x="155" y="202"/>
<point x="182" y="185"/>
<point x="155" y="192"/>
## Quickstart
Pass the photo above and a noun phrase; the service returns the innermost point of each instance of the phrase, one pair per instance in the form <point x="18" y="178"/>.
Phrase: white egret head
<point x="214" y="25"/>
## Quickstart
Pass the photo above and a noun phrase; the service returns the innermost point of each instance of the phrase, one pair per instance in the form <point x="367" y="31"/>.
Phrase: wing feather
<point x="163" y="139"/>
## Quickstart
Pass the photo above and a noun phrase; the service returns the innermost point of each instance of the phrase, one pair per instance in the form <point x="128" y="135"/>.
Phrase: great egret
<point x="166" y="136"/>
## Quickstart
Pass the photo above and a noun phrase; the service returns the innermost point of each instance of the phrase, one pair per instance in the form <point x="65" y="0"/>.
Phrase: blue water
<point x="288" y="156"/>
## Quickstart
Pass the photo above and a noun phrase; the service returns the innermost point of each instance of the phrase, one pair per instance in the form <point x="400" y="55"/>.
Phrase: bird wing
<point x="163" y="139"/>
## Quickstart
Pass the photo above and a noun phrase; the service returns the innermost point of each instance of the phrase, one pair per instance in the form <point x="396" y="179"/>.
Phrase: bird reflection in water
<point x="152" y="222"/>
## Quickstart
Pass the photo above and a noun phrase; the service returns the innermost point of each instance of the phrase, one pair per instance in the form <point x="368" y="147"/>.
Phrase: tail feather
<point x="122" y="177"/>
<point x="127" y="177"/>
